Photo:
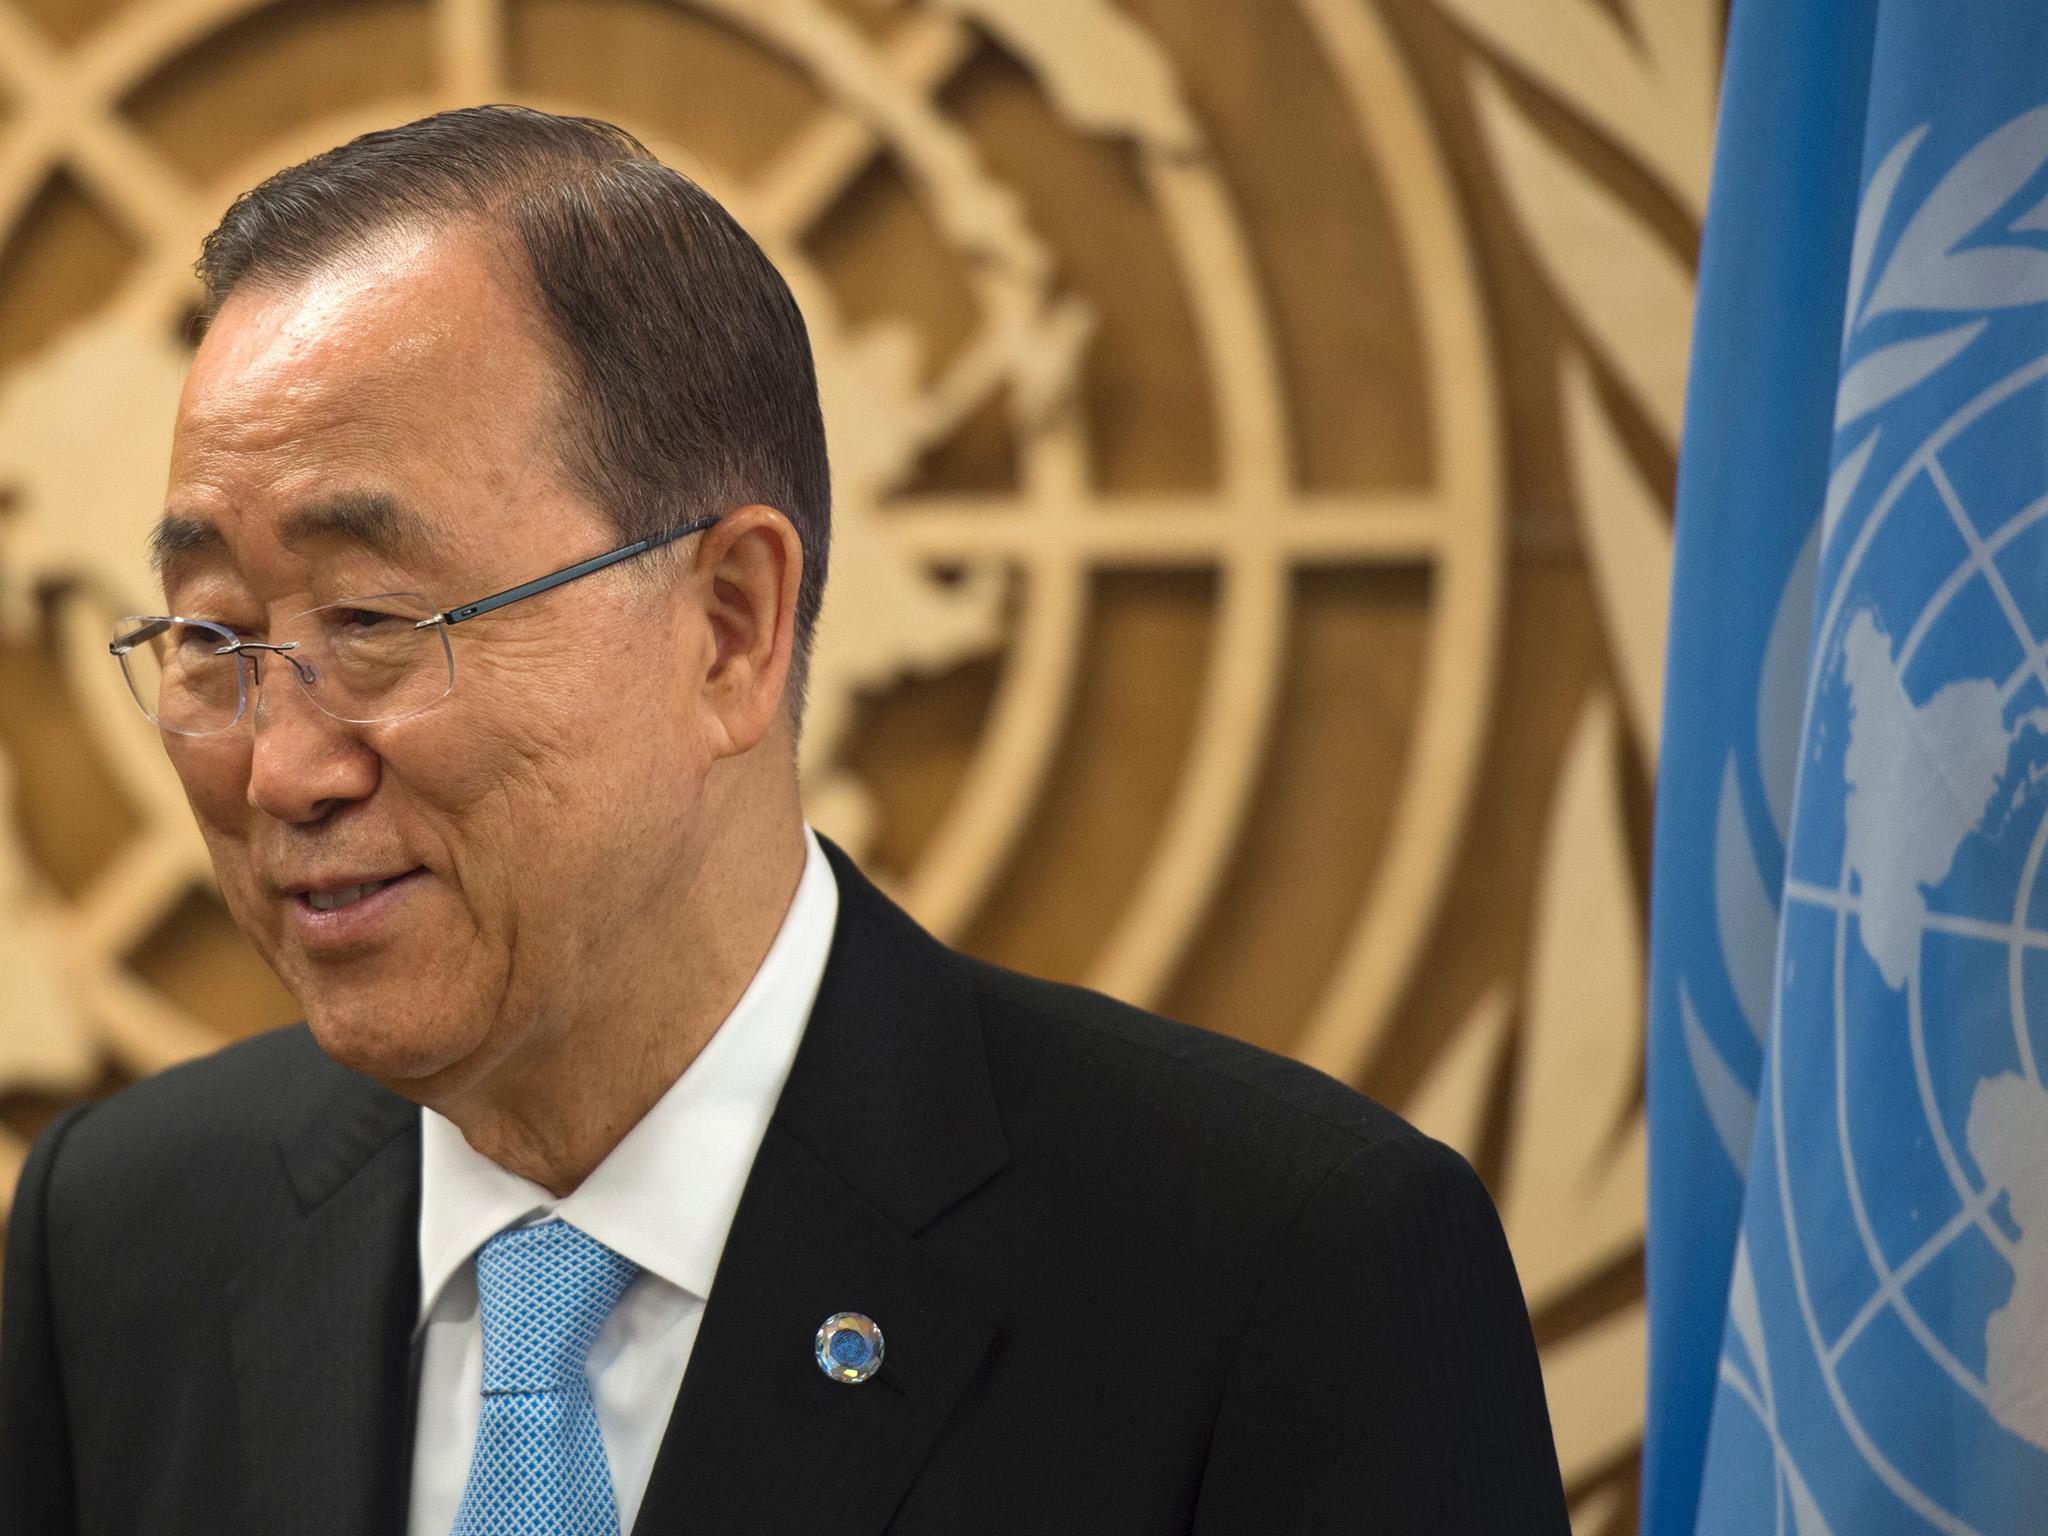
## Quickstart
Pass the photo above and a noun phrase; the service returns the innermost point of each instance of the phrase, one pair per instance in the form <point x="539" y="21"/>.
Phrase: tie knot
<point x="545" y="1291"/>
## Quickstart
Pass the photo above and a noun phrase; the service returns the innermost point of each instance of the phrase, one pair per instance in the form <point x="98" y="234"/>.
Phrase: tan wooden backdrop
<point x="1254" y="426"/>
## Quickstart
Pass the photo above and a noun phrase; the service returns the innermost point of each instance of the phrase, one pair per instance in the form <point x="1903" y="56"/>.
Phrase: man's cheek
<point x="216" y="786"/>
<point x="259" y="917"/>
<point x="536" y="675"/>
<point x="462" y="762"/>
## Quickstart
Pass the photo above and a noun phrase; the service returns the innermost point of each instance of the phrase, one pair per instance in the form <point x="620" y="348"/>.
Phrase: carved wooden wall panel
<point x="1253" y="423"/>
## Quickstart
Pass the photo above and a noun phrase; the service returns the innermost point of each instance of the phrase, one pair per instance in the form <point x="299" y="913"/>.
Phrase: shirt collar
<point x="665" y="1195"/>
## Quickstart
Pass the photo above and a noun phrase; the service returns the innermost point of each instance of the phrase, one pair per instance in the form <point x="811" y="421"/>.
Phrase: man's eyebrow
<point x="373" y="519"/>
<point x="176" y="537"/>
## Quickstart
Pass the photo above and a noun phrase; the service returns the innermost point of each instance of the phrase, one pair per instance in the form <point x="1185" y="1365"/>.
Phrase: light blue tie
<point x="539" y="1465"/>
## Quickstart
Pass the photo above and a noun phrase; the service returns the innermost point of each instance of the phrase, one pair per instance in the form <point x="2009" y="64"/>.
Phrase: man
<point x="639" y="1167"/>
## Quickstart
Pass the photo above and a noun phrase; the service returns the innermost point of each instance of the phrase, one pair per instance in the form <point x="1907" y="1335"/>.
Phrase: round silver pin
<point x="848" y="1347"/>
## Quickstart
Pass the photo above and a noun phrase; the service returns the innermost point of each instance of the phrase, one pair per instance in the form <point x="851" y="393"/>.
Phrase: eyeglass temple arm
<point x="121" y="645"/>
<point x="547" y="583"/>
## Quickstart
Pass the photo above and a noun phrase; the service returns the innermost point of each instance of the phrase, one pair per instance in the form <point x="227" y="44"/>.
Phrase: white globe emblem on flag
<point x="1889" y="1317"/>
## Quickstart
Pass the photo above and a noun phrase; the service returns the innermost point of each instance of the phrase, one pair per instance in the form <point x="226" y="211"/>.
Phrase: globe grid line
<point x="1781" y="1454"/>
<point x="2015" y="962"/>
<point x="68" y="116"/>
<point x="1974" y="1201"/>
<point x="1990" y="931"/>
<point x="2033" y="660"/>
<point x="1843" y="904"/>
<point x="1315" y="528"/>
<point x="1893" y="1286"/>
<point x="1994" y="545"/>
<point x="1959" y="1180"/>
<point x="1384" y="947"/>
<point x="1986" y="401"/>
<point x="1745" y="1317"/>
<point x="1901" y="1487"/>
<point x="2014" y="937"/>
<point x="823" y="159"/>
<point x="1981" y="561"/>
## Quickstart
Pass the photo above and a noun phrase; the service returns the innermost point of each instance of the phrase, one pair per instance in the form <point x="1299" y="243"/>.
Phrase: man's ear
<point x="748" y="567"/>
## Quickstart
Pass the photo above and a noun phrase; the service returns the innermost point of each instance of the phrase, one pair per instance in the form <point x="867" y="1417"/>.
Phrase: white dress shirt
<point x="664" y="1198"/>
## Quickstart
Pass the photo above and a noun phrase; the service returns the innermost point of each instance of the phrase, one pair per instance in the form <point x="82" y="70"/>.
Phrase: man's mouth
<point x="348" y="895"/>
<point x="338" y="913"/>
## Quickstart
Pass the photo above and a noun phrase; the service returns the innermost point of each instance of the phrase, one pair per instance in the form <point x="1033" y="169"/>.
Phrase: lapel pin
<point x="848" y="1347"/>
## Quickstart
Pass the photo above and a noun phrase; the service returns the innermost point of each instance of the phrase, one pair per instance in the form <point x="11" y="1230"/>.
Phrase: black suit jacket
<point x="1133" y="1278"/>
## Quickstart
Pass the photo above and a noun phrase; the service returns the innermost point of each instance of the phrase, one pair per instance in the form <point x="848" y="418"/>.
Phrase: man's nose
<point x="304" y="763"/>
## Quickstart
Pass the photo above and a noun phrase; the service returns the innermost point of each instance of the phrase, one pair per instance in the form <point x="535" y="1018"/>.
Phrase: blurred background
<point x="1253" y="425"/>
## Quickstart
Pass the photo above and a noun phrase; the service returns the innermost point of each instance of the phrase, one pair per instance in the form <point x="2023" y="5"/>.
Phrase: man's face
<point x="541" y="814"/>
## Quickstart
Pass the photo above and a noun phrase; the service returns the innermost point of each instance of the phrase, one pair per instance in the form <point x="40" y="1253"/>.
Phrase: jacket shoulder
<point x="254" y="1089"/>
<point x="203" y="1137"/>
<point x="1204" y="1092"/>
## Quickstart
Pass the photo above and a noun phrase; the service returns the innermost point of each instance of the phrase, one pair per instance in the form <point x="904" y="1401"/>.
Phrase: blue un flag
<point x="1848" y="1260"/>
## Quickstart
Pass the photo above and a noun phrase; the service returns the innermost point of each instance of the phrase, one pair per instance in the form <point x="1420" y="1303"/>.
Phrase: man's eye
<point x="363" y="618"/>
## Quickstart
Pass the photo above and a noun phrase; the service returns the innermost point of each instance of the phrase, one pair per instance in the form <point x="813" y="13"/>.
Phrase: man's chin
<point x="399" y="1048"/>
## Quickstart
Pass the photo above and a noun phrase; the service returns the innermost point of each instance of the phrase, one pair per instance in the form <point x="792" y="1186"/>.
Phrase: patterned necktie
<point x="539" y="1465"/>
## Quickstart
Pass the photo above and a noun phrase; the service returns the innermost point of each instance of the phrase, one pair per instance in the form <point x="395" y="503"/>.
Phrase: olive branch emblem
<point x="1642" y="77"/>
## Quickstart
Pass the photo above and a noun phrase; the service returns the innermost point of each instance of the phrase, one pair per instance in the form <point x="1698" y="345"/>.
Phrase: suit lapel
<point x="760" y="1441"/>
<point x="322" y="1326"/>
<point x="888" y="1120"/>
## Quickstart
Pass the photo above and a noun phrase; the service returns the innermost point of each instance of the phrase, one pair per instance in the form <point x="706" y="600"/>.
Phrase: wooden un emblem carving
<point x="941" y="569"/>
<point x="1109" y="540"/>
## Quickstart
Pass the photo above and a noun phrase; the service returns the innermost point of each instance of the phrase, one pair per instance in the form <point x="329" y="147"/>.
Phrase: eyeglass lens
<point x="363" y="661"/>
